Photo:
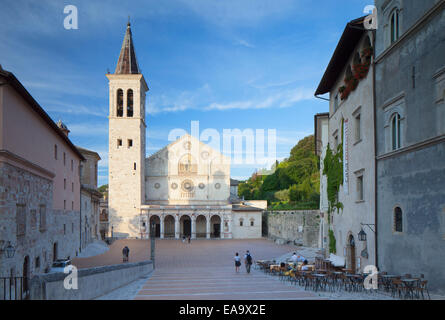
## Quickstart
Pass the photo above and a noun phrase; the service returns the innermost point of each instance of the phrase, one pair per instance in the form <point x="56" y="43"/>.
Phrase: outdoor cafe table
<point x="387" y="280"/>
<point x="356" y="279"/>
<point x="409" y="284"/>
<point x="318" y="280"/>
<point x="275" y="267"/>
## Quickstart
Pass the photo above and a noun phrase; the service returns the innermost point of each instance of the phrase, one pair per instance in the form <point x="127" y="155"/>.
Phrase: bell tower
<point x="126" y="145"/>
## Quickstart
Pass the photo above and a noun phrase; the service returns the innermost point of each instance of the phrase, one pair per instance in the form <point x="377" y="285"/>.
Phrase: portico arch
<point x="215" y="226"/>
<point x="157" y="221"/>
<point x="201" y="225"/>
<point x="169" y="226"/>
<point x="186" y="226"/>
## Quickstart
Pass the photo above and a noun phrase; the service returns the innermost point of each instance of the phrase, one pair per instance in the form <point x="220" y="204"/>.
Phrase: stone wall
<point x="298" y="227"/>
<point x="92" y="282"/>
<point x="37" y="239"/>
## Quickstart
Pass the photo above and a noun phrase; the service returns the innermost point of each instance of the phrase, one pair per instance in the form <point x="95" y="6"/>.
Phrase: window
<point x="64" y="204"/>
<point x="134" y="166"/>
<point x="336" y="102"/>
<point x="42" y="222"/>
<point x="64" y="184"/>
<point x="72" y="227"/>
<point x="252" y="222"/>
<point x="120" y="103"/>
<point x="130" y="143"/>
<point x="55" y="151"/>
<point x="335" y="142"/>
<point x="398" y="220"/>
<point x="21" y="219"/>
<point x="64" y="158"/>
<point x="37" y="263"/>
<point x="358" y="129"/>
<point x="130" y="103"/>
<point x="395" y="131"/>
<point x="241" y="221"/>
<point x="64" y="229"/>
<point x="394" y="26"/>
<point x="360" y="188"/>
<point x="72" y="205"/>
<point x="72" y="186"/>
<point x="119" y="143"/>
<point x="33" y="214"/>
<point x="72" y="165"/>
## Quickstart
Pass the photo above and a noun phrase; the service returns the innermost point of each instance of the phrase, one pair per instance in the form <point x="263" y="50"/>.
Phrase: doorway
<point x="186" y="223"/>
<point x="350" y="254"/>
<point x="26" y="277"/>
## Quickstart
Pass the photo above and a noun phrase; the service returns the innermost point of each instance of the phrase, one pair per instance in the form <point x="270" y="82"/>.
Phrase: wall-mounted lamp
<point x="9" y="249"/>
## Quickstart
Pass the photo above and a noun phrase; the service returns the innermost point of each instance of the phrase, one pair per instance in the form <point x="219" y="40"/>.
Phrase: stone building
<point x="349" y="81"/>
<point x="39" y="184"/>
<point x="183" y="189"/>
<point x="90" y="197"/>
<point x="410" y="137"/>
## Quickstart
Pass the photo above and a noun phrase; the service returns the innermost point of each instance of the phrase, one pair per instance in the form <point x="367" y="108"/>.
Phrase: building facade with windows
<point x="39" y="184"/>
<point x="181" y="190"/>
<point x="410" y="138"/>
<point x="349" y="81"/>
<point x="90" y="197"/>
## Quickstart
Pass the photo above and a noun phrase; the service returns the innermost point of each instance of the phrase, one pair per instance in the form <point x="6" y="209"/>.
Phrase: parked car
<point x="60" y="265"/>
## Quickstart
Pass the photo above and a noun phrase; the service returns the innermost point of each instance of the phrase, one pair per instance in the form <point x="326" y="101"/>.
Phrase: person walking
<point x="237" y="262"/>
<point x="189" y="239"/>
<point x="248" y="261"/>
<point x="125" y="254"/>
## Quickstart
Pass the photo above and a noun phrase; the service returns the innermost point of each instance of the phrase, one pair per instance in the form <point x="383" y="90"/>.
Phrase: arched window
<point x="395" y="131"/>
<point x="398" y="220"/>
<point x="241" y="222"/>
<point x="394" y="26"/>
<point x="130" y="103"/>
<point x="187" y="165"/>
<point x="120" y="103"/>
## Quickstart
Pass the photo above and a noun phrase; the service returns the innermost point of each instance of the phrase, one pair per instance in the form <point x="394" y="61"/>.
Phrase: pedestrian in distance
<point x="125" y="254"/>
<point x="237" y="262"/>
<point x="248" y="261"/>
<point x="189" y="239"/>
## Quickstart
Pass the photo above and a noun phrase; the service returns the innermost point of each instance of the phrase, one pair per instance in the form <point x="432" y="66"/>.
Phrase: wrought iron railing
<point x="13" y="288"/>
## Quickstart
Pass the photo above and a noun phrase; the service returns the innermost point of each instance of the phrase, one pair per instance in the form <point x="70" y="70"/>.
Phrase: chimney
<point x="63" y="127"/>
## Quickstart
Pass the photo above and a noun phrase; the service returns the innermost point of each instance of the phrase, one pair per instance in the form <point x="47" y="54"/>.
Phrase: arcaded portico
<point x="197" y="222"/>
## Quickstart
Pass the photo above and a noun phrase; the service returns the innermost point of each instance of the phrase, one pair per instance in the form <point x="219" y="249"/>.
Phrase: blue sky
<point x="227" y="64"/>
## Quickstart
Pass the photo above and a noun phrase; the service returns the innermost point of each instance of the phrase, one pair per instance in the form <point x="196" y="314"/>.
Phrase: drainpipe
<point x="80" y="207"/>
<point x="375" y="149"/>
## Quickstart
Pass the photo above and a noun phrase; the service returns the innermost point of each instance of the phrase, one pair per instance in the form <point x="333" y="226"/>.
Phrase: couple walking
<point x="247" y="261"/>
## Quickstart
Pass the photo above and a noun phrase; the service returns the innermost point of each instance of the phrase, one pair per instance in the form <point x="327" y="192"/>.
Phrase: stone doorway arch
<point x="350" y="253"/>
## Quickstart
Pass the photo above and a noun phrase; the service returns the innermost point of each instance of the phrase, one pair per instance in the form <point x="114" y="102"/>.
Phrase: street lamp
<point x="152" y="243"/>
<point x="362" y="235"/>
<point x="9" y="249"/>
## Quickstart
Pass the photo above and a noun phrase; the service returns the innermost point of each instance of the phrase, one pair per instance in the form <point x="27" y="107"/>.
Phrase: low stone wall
<point x="300" y="227"/>
<point x="92" y="282"/>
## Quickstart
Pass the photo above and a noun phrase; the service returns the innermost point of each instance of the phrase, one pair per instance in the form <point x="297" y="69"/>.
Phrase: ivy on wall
<point x="333" y="170"/>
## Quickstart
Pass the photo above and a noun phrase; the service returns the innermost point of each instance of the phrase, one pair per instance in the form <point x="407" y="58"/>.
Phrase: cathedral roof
<point x="127" y="63"/>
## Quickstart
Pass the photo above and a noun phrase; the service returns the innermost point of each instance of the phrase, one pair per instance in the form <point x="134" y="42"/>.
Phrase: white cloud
<point x="282" y="99"/>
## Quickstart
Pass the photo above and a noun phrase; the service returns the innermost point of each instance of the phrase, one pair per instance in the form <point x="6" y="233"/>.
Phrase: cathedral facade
<point x="184" y="189"/>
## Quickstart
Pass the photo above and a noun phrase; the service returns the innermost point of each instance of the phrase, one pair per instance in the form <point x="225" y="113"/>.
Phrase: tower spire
<point x="127" y="63"/>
